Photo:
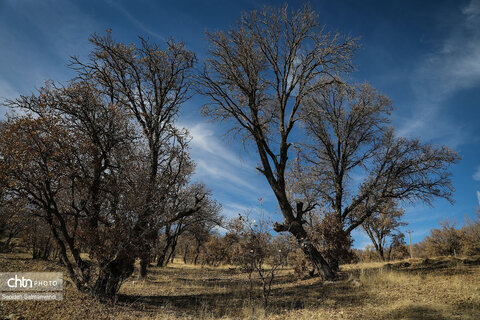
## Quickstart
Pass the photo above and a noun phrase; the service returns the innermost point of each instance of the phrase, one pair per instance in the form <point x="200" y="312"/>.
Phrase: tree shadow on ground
<point x="416" y="313"/>
<point x="227" y="282"/>
<point x="236" y="297"/>
<point x="340" y="293"/>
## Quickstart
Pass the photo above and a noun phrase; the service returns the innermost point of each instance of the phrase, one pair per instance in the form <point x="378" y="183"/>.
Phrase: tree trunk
<point x="34" y="245"/>
<point x="46" y="250"/>
<point x="317" y="260"/>
<point x="197" y="254"/>
<point x="185" y="253"/>
<point x="55" y="254"/>
<point x="7" y="243"/>
<point x="147" y="235"/>
<point x="173" y="247"/>
<point x="197" y="251"/>
<point x="312" y="254"/>
<point x="112" y="275"/>
<point x="381" y="253"/>
<point x="144" y="263"/>
<point x="161" y="259"/>
<point x="389" y="253"/>
<point x="161" y="262"/>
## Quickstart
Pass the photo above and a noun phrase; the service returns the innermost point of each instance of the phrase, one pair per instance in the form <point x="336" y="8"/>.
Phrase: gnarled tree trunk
<point x="310" y="251"/>
<point x="111" y="276"/>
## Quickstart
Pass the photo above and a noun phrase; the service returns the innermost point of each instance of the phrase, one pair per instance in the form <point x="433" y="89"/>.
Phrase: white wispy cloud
<point x="134" y="20"/>
<point x="63" y="25"/>
<point x="207" y="140"/>
<point x="212" y="170"/>
<point x="476" y="175"/>
<point x="457" y="64"/>
<point x="478" y="197"/>
<point x="6" y="92"/>
<point x="51" y="31"/>
<point x="453" y="67"/>
<point x="233" y="209"/>
<point x="431" y="125"/>
<point x="232" y="177"/>
<point x="216" y="162"/>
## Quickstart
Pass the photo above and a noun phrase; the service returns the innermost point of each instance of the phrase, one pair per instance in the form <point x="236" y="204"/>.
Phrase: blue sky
<point x="425" y="55"/>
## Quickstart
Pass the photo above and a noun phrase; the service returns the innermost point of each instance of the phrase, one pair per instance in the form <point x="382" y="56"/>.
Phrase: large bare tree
<point x="65" y="159"/>
<point x="101" y="183"/>
<point x="350" y="137"/>
<point x="258" y="75"/>
<point x="152" y="83"/>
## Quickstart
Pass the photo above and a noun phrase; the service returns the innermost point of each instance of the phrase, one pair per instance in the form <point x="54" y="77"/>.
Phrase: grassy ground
<point x="442" y="288"/>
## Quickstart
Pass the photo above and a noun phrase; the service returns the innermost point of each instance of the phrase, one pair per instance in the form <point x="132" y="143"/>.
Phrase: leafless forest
<point x="96" y="181"/>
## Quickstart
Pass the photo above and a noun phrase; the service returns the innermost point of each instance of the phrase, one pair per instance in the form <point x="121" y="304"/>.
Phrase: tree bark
<point x="162" y="261"/>
<point x="144" y="263"/>
<point x="197" y="254"/>
<point x="310" y="251"/>
<point x="171" y="256"/>
<point x="381" y="253"/>
<point x="112" y="275"/>
<point x="185" y="253"/>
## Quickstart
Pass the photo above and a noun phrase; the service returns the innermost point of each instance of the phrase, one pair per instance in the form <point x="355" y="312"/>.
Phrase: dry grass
<point x="440" y="289"/>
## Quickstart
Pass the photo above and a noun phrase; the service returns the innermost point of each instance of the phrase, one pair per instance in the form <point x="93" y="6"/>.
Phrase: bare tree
<point x="260" y="254"/>
<point x="398" y="247"/>
<point x="152" y="83"/>
<point x="382" y="225"/>
<point x="101" y="182"/>
<point x="201" y="234"/>
<point x="75" y="161"/>
<point x="185" y="221"/>
<point x="258" y="75"/>
<point x="64" y="158"/>
<point x="349" y="135"/>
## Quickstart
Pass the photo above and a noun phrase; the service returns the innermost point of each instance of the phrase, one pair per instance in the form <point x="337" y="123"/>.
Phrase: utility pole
<point x="410" y="240"/>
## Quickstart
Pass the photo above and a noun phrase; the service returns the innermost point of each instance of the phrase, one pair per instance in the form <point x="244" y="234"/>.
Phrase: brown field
<point x="441" y="288"/>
